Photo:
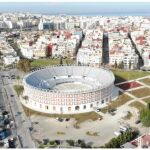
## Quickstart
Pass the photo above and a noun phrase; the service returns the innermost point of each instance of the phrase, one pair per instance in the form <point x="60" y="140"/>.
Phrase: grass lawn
<point x="122" y="75"/>
<point x="137" y="105"/>
<point x="147" y="100"/>
<point x="142" y="92"/>
<point x="146" y="81"/>
<point x="19" y="89"/>
<point x="121" y="100"/>
<point x="46" y="62"/>
<point x="78" y="117"/>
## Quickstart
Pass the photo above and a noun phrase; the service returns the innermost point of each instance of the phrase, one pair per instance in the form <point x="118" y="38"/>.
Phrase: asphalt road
<point x="2" y="103"/>
<point x="13" y="105"/>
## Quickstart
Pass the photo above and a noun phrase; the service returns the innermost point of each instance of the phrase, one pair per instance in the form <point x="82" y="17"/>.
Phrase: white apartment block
<point x="89" y="57"/>
<point x="9" y="59"/>
<point x="146" y="59"/>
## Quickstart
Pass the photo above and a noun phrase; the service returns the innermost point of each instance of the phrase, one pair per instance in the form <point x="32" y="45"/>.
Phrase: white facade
<point x="27" y="51"/>
<point x="116" y="57"/>
<point x="8" y="60"/>
<point x="146" y="59"/>
<point x="90" y="57"/>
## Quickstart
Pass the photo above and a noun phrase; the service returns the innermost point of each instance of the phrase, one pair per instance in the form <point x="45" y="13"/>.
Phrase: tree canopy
<point x="24" y="65"/>
<point x="145" y="117"/>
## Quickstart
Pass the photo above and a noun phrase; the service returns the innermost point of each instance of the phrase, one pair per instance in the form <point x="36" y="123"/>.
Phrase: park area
<point x="50" y="61"/>
<point x="146" y="81"/>
<point x="123" y="75"/>
<point x="137" y="105"/>
<point x="129" y="85"/>
<point x="121" y="100"/>
<point x="142" y="92"/>
<point x="147" y="100"/>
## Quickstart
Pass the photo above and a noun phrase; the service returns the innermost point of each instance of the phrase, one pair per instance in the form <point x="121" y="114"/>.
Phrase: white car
<point x="123" y="129"/>
<point x="117" y="133"/>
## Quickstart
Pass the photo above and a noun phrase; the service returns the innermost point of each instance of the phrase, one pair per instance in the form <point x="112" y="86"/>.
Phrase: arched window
<point x="91" y="105"/>
<point x="69" y="108"/>
<point x="54" y="108"/>
<point x="102" y="101"/>
<point x="84" y="107"/>
<point x="46" y="107"/>
<point x="97" y="103"/>
<point x="61" y="109"/>
<point x="77" y="108"/>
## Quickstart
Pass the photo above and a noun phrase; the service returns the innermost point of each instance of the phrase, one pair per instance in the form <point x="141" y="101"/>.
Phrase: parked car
<point x="137" y="121"/>
<point x="112" y="113"/>
<point x="67" y="119"/>
<point x="117" y="133"/>
<point x="124" y="128"/>
<point x="60" y="119"/>
<point x="98" y="110"/>
<point x="30" y="128"/>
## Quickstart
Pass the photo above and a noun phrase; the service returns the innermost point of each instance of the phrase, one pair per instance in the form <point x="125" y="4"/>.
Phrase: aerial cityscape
<point x="74" y="79"/>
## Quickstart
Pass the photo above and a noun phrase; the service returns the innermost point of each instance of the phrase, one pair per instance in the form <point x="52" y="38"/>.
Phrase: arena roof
<point x="49" y="77"/>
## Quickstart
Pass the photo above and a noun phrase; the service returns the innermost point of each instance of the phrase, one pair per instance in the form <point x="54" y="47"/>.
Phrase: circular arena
<point x="67" y="89"/>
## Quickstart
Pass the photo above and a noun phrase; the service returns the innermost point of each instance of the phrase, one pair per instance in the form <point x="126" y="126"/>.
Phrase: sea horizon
<point x="111" y="14"/>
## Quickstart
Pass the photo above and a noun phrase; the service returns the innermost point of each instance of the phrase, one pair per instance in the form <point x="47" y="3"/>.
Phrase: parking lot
<point x="105" y="128"/>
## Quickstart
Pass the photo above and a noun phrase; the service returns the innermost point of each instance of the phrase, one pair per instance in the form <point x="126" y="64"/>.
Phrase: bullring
<point x="67" y="89"/>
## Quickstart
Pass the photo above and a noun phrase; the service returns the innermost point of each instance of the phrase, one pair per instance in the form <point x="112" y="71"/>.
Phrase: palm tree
<point x="18" y="78"/>
<point x="130" y="64"/>
<point x="116" y="65"/>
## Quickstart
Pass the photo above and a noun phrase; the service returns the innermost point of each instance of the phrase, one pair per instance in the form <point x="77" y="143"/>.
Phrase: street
<point x="10" y="102"/>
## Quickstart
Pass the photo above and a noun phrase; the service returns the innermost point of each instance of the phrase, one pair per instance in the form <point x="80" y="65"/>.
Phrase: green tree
<point x="61" y="61"/>
<point x="47" y="52"/>
<point x="148" y="106"/>
<point x="24" y="65"/>
<point x="121" y="139"/>
<point x="18" y="78"/>
<point x="52" y="142"/>
<point x="121" y="65"/>
<point x="130" y="64"/>
<point x="145" y="117"/>
<point x="67" y="62"/>
<point x="116" y="65"/>
<point x="1" y="53"/>
<point x="83" y="145"/>
<point x="70" y="142"/>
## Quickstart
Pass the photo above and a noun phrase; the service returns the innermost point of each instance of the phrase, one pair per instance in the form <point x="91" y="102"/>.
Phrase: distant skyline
<point x="74" y="8"/>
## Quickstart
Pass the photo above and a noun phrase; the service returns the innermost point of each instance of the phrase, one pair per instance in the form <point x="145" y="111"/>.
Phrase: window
<point x="69" y="108"/>
<point x="84" y="107"/>
<point x="40" y="105"/>
<point x="46" y="107"/>
<point x="54" y="108"/>
<point x="61" y="109"/>
<point x="102" y="101"/>
<point x="91" y="105"/>
<point x="97" y="103"/>
<point x="77" y="108"/>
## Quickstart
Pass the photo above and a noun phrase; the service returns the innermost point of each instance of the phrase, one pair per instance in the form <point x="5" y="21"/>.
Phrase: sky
<point x="76" y="8"/>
